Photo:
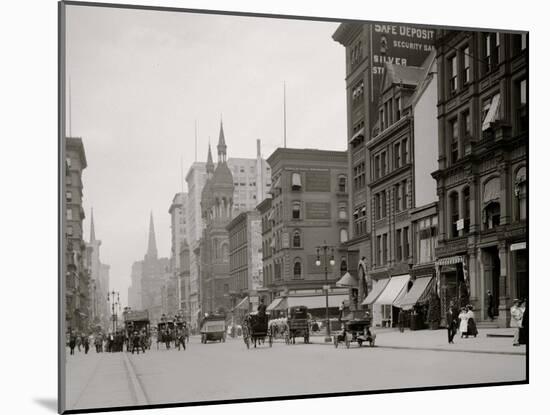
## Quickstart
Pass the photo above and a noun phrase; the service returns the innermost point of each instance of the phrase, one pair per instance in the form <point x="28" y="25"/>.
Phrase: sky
<point x="140" y="80"/>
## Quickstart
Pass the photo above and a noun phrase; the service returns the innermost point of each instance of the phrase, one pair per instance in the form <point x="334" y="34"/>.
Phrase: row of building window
<point x="359" y="177"/>
<point x="402" y="246"/>
<point x="400" y="158"/>
<point x="390" y="112"/>
<point x="296" y="182"/>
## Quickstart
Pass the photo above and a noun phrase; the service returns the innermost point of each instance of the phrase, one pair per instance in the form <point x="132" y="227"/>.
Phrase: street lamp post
<point x="114" y="306"/>
<point x="325" y="248"/>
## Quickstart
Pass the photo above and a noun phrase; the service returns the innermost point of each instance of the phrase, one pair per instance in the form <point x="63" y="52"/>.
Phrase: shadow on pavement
<point x="48" y="403"/>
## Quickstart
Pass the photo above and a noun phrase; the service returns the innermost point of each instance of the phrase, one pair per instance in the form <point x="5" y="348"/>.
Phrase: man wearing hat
<point x="490" y="305"/>
<point x="515" y="319"/>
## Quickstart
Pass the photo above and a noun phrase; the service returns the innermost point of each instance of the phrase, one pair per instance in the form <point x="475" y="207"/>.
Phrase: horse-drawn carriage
<point x="212" y="328"/>
<point x="137" y="330"/>
<point x="256" y="329"/>
<point x="355" y="331"/>
<point x="166" y="332"/>
<point x="298" y="324"/>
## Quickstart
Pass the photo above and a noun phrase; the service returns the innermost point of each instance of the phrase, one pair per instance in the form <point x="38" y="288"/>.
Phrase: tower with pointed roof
<point x="217" y="212"/>
<point x="152" y="242"/>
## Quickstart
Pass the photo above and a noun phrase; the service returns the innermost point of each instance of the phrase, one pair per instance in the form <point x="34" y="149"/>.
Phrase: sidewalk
<point x="436" y="340"/>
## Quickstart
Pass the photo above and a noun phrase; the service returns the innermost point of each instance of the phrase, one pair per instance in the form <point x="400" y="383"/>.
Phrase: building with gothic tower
<point x="148" y="279"/>
<point x="217" y="213"/>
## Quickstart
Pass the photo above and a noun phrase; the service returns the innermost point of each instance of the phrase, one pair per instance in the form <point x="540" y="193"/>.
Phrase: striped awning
<point x="317" y="301"/>
<point x="394" y="290"/>
<point x="278" y="303"/>
<point x="347" y="280"/>
<point x="375" y="292"/>
<point x="243" y="304"/>
<point x="449" y="260"/>
<point x="417" y="293"/>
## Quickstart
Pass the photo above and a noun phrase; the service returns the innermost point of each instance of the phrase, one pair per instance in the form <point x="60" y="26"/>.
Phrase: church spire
<point x="152" y="244"/>
<point x="92" y="228"/>
<point x="209" y="162"/>
<point x="222" y="148"/>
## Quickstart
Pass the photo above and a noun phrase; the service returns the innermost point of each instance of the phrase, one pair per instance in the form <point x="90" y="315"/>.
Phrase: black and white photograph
<point x="258" y="207"/>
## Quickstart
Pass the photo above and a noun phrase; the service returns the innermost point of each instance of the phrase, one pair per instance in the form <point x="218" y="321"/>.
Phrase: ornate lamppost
<point x="114" y="298"/>
<point x="325" y="250"/>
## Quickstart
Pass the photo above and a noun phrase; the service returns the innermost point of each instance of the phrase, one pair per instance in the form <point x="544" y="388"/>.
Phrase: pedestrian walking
<point x="472" y="327"/>
<point x="72" y="342"/>
<point x="78" y="341"/>
<point x="452" y="322"/>
<point x="515" y="320"/>
<point x="401" y="320"/>
<point x="524" y="329"/>
<point x="463" y="318"/>
<point x="86" y="342"/>
<point x="490" y="305"/>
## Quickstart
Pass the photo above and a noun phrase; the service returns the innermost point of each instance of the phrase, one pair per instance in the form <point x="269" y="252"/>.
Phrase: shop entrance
<point x="491" y="268"/>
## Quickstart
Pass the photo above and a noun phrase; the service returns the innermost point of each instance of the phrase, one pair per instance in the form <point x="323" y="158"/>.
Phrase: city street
<point x="229" y="371"/>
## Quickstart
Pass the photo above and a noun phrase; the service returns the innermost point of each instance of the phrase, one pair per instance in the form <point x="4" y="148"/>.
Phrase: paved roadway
<point x="228" y="371"/>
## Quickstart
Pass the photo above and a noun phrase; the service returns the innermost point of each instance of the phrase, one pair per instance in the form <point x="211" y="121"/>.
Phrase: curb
<point x="139" y="393"/>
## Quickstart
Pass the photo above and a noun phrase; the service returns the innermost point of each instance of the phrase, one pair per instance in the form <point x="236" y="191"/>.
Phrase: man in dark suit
<point x="490" y="305"/>
<point x="261" y="308"/>
<point x="452" y="321"/>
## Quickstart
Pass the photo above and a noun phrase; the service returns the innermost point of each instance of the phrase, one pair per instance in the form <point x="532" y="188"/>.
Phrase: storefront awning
<point x="416" y="294"/>
<point x="375" y="292"/>
<point x="317" y="301"/>
<point x="393" y="290"/>
<point x="347" y="280"/>
<point x="277" y="304"/>
<point x="243" y="304"/>
<point x="449" y="261"/>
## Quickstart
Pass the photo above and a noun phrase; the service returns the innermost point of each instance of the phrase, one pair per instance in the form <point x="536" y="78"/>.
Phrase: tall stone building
<point x="251" y="180"/>
<point x="217" y="211"/>
<point x="178" y="227"/>
<point x="482" y="169"/>
<point x="99" y="284"/>
<point x="77" y="278"/>
<point x="309" y="207"/>
<point x="385" y="65"/>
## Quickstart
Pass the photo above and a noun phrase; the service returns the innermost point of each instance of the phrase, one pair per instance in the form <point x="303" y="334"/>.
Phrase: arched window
<point x="225" y="253"/>
<point x="343" y="235"/>
<point x="466" y="209"/>
<point x="297" y="268"/>
<point x="296" y="181"/>
<point x="342" y="183"/>
<point x="521" y="193"/>
<point x="491" y="203"/>
<point x="296" y="210"/>
<point x="453" y="208"/>
<point x="342" y="210"/>
<point x="343" y="265"/>
<point x="297" y="239"/>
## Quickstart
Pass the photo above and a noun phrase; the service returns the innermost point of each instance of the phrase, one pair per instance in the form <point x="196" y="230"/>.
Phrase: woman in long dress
<point x="472" y="327"/>
<point x="463" y="327"/>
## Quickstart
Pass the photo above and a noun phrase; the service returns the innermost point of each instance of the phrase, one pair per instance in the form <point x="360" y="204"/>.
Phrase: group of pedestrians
<point x="519" y="320"/>
<point x="462" y="321"/>
<point x="110" y="342"/>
